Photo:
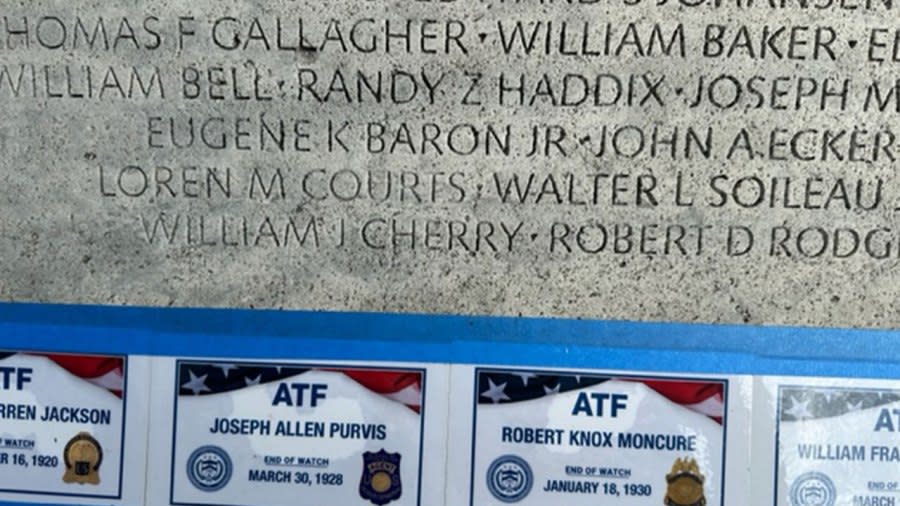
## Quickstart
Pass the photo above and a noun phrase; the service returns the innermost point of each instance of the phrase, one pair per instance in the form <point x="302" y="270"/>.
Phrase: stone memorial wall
<point x="690" y="160"/>
<point x="609" y="173"/>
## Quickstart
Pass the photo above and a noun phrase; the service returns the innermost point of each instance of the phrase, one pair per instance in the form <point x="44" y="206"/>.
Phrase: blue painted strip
<point x="543" y="342"/>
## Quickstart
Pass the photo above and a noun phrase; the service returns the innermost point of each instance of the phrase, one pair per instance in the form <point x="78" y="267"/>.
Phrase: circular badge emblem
<point x="813" y="489"/>
<point x="509" y="478"/>
<point x="209" y="468"/>
<point x="83" y="456"/>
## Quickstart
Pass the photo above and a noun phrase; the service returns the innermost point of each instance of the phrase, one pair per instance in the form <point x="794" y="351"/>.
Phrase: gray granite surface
<point x="360" y="155"/>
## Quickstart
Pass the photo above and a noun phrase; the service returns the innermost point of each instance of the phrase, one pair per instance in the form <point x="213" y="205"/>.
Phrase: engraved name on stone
<point x="695" y="160"/>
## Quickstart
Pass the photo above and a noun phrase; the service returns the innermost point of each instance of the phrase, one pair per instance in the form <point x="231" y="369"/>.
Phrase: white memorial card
<point x="539" y="437"/>
<point x="298" y="433"/>
<point x="834" y="441"/>
<point x="73" y="428"/>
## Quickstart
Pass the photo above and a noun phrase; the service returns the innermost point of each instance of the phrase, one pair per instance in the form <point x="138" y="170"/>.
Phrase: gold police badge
<point x="685" y="484"/>
<point x="82" y="456"/>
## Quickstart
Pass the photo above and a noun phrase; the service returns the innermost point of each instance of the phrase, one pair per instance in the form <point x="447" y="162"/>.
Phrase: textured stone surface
<point x="69" y="232"/>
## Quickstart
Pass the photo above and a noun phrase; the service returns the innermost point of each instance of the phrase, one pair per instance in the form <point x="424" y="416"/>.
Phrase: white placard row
<point x="133" y="430"/>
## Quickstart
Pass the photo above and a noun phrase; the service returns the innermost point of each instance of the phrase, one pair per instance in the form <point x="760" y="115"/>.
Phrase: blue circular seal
<point x="509" y="478"/>
<point x="813" y="489"/>
<point x="209" y="468"/>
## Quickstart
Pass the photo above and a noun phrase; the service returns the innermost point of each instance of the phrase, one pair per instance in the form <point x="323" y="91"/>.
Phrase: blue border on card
<point x="123" y="442"/>
<point x="355" y="367"/>
<point x="612" y="375"/>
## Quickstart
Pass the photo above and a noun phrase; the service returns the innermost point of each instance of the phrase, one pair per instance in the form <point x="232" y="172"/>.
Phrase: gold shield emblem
<point x="82" y="456"/>
<point x="685" y="484"/>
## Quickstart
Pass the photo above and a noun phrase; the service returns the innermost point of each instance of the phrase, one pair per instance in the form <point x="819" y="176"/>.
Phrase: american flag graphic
<point x="810" y="403"/>
<point x="103" y="371"/>
<point x="208" y="378"/>
<point x="508" y="386"/>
